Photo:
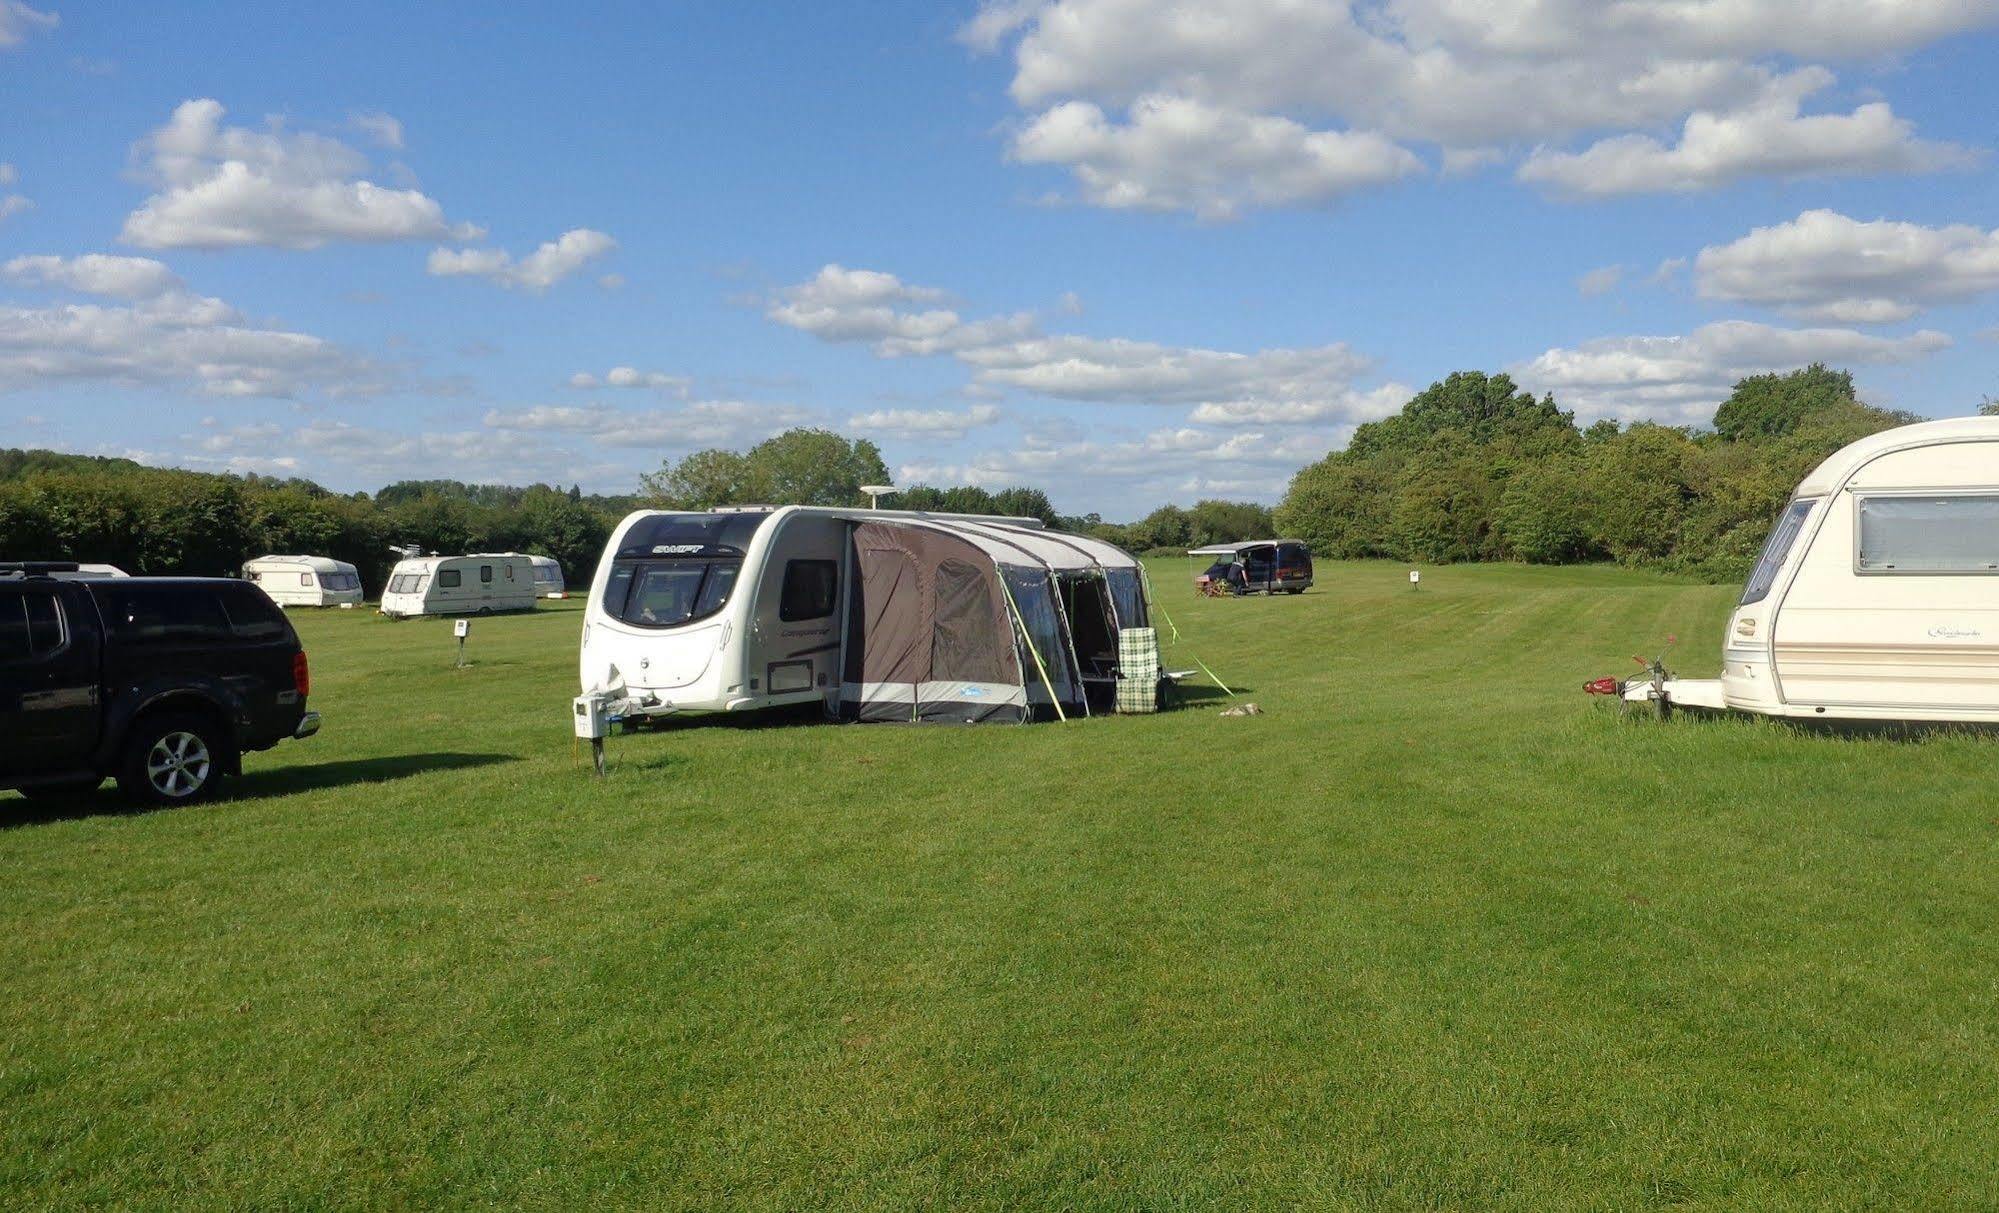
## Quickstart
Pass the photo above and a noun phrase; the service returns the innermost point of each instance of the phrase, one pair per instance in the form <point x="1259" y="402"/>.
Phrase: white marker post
<point x="1415" y="579"/>
<point x="461" y="629"/>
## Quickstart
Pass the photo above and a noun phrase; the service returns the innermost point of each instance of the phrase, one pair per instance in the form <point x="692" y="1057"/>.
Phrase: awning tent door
<point x="930" y="636"/>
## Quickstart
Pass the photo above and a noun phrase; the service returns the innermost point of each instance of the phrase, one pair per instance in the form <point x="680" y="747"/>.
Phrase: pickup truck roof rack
<point x="35" y="568"/>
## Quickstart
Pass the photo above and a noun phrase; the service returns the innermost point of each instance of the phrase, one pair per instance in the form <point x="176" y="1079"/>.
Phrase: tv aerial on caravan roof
<point x="876" y="492"/>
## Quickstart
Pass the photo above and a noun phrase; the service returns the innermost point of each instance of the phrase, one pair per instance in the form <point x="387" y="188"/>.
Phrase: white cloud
<point x="228" y="186"/>
<point x="1600" y="281"/>
<point x="366" y="454"/>
<point x="10" y="203"/>
<point x="18" y="21"/>
<point x="630" y="377"/>
<point x="1472" y="77"/>
<point x="702" y="423"/>
<point x="95" y="274"/>
<point x="551" y="263"/>
<point x="1825" y="266"/>
<point x="897" y="318"/>
<point x="938" y="424"/>
<point x="612" y="282"/>
<point x="1180" y="154"/>
<point x="174" y="340"/>
<point x="386" y="130"/>
<point x="839" y="304"/>
<point x="1682" y="379"/>
<point x="1771" y="139"/>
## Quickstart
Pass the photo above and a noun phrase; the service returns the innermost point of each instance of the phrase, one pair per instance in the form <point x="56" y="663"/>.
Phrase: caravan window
<point x="1775" y="549"/>
<point x="407" y="583"/>
<point x="811" y="590"/>
<point x="486" y="572"/>
<point x="305" y="578"/>
<point x="449" y="579"/>
<point x="668" y="593"/>
<point x="341" y="581"/>
<point x="1929" y="534"/>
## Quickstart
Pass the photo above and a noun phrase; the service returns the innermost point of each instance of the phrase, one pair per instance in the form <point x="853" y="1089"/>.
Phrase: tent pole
<point x="1028" y="636"/>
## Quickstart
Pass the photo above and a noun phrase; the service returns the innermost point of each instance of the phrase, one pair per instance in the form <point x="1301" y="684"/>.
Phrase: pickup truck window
<point x="160" y="615"/>
<point x="256" y="618"/>
<point x="31" y="627"/>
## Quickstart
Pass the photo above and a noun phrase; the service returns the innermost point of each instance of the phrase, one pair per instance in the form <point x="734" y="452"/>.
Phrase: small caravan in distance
<point x="310" y="581"/>
<point x="459" y="585"/>
<point x="1260" y="566"/>
<point x="1876" y="597"/>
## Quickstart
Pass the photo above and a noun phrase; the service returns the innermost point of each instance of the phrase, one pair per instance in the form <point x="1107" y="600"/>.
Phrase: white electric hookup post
<point x="592" y="722"/>
<point x="462" y="629"/>
<point x="1415" y="579"/>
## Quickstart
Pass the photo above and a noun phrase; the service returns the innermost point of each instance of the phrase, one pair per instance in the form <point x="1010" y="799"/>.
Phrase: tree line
<point x="164" y="521"/>
<point x="1473" y="468"/>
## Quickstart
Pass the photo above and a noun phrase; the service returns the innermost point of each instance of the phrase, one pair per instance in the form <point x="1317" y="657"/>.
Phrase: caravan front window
<point x="1776" y="549"/>
<point x="408" y="583"/>
<point x="668" y="593"/>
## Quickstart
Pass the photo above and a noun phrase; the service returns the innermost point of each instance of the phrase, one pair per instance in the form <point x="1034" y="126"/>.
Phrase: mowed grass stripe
<point x="1434" y="932"/>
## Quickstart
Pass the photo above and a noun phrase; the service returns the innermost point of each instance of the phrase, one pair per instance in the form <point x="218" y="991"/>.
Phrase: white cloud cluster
<point x="95" y="274"/>
<point x="368" y="453"/>
<point x="1180" y="154"/>
<point x="935" y="424"/>
<point x="1826" y="266"/>
<point x="547" y="265"/>
<point x="631" y="377"/>
<point x="162" y="335"/>
<point x="1683" y="379"/>
<point x="228" y="186"/>
<point x="1769" y="139"/>
<point x="701" y="423"/>
<point x="11" y="203"/>
<point x="18" y="21"/>
<point x="839" y="304"/>
<point x="1320" y="93"/>
<point x="1278" y="386"/>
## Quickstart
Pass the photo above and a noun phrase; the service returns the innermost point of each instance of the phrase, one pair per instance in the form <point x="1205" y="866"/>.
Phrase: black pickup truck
<point x="161" y="682"/>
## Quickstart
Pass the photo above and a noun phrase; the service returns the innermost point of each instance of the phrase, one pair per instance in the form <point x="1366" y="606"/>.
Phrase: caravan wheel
<point x="485" y="611"/>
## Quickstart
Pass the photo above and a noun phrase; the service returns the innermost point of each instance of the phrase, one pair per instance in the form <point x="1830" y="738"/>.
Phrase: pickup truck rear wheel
<point x="171" y="759"/>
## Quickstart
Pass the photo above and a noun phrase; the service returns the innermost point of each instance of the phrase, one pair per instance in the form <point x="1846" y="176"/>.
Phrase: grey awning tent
<point x="963" y="621"/>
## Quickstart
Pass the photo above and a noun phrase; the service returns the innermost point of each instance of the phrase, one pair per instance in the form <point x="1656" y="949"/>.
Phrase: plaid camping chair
<point x="1138" y="670"/>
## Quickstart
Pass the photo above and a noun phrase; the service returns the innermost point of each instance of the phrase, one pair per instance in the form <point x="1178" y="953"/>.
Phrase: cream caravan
<point x="459" y="585"/>
<point x="547" y="572"/>
<point x="1877" y="594"/>
<point x="877" y="614"/>
<point x="312" y="581"/>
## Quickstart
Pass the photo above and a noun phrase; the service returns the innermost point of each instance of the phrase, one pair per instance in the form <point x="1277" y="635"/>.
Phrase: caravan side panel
<point x="1861" y="629"/>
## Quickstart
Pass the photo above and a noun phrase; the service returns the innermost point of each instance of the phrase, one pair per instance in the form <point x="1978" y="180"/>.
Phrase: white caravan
<point x="311" y="581"/>
<point x="876" y="614"/>
<point x="459" y="585"/>
<point x="1877" y="595"/>
<point x="548" y="577"/>
<point x="547" y="572"/>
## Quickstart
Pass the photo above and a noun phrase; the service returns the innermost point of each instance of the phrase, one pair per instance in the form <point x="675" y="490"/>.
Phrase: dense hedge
<point x="1475" y="469"/>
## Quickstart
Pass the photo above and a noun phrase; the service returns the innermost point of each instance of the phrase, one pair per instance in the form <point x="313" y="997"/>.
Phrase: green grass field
<point x="1434" y="932"/>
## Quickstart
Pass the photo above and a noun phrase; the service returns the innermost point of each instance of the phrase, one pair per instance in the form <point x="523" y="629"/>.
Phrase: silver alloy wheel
<point x="178" y="765"/>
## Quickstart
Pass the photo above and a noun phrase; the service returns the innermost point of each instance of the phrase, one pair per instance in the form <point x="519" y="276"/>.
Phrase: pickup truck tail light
<point x="301" y="674"/>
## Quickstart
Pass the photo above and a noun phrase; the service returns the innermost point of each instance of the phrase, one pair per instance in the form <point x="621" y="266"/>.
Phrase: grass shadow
<point x="106" y="801"/>
<point x="1200" y="695"/>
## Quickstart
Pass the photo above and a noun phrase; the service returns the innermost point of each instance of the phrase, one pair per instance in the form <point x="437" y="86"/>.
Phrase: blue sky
<point x="1128" y="251"/>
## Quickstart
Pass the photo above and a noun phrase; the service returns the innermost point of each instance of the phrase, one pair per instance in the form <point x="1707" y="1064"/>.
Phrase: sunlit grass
<point x="1435" y="931"/>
